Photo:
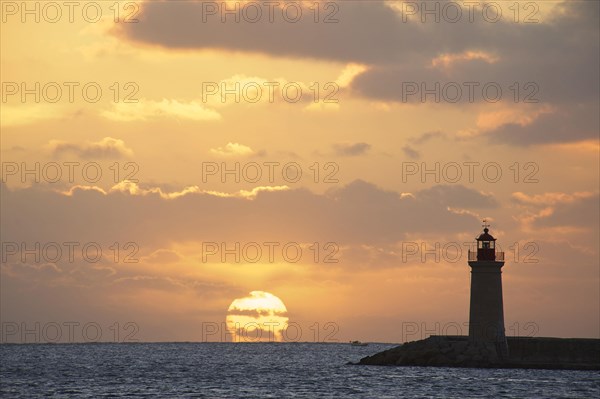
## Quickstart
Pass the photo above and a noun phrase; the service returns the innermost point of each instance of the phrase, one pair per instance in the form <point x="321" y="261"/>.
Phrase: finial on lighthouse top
<point x="485" y="236"/>
<point x="485" y="226"/>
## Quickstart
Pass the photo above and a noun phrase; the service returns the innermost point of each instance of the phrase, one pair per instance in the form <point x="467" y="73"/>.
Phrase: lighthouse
<point x="486" y="315"/>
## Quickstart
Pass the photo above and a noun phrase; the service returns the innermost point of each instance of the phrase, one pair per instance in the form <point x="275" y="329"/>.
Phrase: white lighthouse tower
<point x="486" y="315"/>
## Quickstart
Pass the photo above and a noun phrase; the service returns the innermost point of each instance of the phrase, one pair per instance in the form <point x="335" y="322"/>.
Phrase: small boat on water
<point x="358" y="343"/>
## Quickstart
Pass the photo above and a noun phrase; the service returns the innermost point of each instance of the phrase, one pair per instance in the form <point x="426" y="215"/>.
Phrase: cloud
<point x="107" y="148"/>
<point x="162" y="256"/>
<point x="519" y="54"/>
<point x="350" y="73"/>
<point x="554" y="61"/>
<point x="404" y="49"/>
<point x="255" y="90"/>
<point x="351" y="149"/>
<point x="248" y="194"/>
<point x="40" y="293"/>
<point x="132" y="188"/>
<point x="358" y="213"/>
<point x="458" y="196"/>
<point x="447" y="60"/>
<point x="255" y="313"/>
<point x="424" y="137"/>
<point x="149" y="109"/>
<point x="186" y="26"/>
<point x="551" y="198"/>
<point x="410" y="152"/>
<point x="31" y="270"/>
<point x="233" y="149"/>
<point x="570" y="123"/>
<point x="582" y="212"/>
<point x="31" y="113"/>
<point x="561" y="216"/>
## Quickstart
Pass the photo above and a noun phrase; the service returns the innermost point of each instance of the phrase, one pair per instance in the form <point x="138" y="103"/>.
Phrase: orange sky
<point x="401" y="145"/>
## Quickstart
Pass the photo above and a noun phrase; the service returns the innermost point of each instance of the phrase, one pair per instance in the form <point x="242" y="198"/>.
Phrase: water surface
<point x="259" y="370"/>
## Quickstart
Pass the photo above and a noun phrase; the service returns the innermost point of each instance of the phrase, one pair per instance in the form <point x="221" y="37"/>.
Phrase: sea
<point x="259" y="370"/>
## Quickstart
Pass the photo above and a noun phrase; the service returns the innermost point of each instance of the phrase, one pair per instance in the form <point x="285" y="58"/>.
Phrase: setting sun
<point x="259" y="317"/>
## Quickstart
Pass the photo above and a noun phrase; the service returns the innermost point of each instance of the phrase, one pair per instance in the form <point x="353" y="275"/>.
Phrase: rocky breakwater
<point x="458" y="351"/>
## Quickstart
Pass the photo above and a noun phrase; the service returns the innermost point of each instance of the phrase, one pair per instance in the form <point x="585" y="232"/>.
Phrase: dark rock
<point x="458" y="351"/>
